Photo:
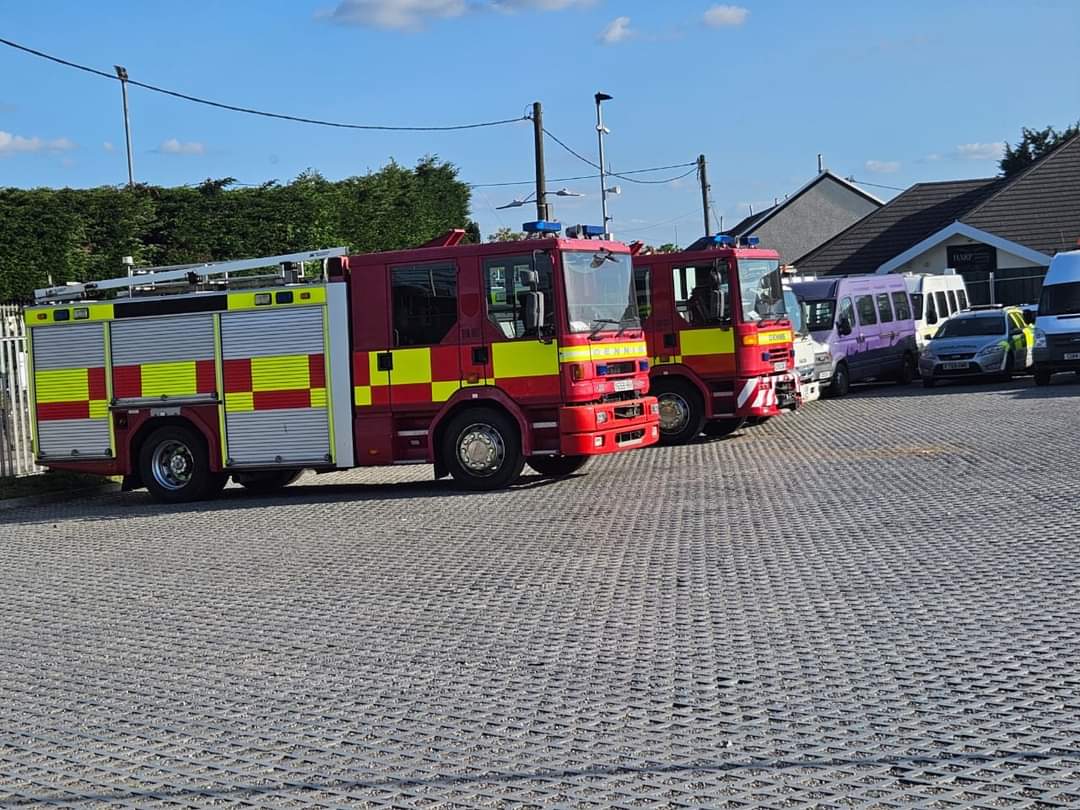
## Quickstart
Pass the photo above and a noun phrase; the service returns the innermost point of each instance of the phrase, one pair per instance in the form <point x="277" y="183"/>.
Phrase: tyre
<point x="175" y="466"/>
<point x="718" y="428"/>
<point x="1042" y="376"/>
<point x="557" y="466"/>
<point x="682" y="413"/>
<point x="928" y="382"/>
<point x="841" y="382"/>
<point x="1010" y="366"/>
<point x="482" y="449"/>
<point x="266" y="480"/>
<point x="907" y="371"/>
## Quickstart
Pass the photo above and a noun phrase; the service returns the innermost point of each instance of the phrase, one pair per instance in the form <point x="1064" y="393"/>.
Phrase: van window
<point x="952" y="301"/>
<point x="1060" y="299"/>
<point x="900" y="304"/>
<point x="643" y="289"/>
<point x="942" y="304"/>
<point x="916" y="306"/>
<point x="694" y="287"/>
<point x="847" y="312"/>
<point x="865" y="305"/>
<point x="931" y="310"/>
<point x="961" y="296"/>
<point x="884" y="308"/>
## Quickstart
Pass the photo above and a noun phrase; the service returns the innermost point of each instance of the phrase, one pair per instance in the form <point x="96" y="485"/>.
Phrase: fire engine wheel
<point x="718" y="428"/>
<point x="482" y="449"/>
<point x="266" y="480"/>
<point x="175" y="466"/>
<point x="682" y="413"/>
<point x="557" y="466"/>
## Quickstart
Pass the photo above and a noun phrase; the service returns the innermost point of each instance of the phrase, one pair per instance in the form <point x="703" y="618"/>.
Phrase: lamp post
<point x="562" y="192"/>
<point x="601" y="131"/>
<point x="122" y="75"/>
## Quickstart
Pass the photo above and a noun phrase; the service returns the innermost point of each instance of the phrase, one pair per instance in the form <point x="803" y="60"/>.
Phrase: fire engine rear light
<point x="577" y="372"/>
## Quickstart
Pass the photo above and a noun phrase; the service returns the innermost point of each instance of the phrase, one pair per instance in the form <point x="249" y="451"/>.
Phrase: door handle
<point x="480" y="355"/>
<point x="669" y="340"/>
<point x="384" y="361"/>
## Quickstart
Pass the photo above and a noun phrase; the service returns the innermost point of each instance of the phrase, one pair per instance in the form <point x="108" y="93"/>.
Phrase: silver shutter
<point x="163" y="339"/>
<point x="71" y="346"/>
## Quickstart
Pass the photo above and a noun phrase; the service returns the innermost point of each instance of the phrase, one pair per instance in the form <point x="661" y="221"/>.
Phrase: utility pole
<point x="543" y="212"/>
<point x="122" y="75"/>
<point x="704" y="193"/>
<point x="600" y="132"/>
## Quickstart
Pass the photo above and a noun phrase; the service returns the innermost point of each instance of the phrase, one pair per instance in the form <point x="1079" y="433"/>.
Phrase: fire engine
<point x="718" y="336"/>
<point x="475" y="358"/>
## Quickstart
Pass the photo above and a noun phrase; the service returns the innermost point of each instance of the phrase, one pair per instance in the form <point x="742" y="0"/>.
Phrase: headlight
<point x="823" y="357"/>
<point x="601" y="417"/>
<point x="1040" y="339"/>
<point x="990" y="349"/>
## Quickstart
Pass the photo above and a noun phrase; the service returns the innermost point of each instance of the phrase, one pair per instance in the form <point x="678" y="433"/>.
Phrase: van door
<point x="868" y="338"/>
<point x="890" y="355"/>
<point x="847" y="346"/>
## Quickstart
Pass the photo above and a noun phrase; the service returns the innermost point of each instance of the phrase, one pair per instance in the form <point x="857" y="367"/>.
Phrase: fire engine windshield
<point x="599" y="291"/>
<point x="761" y="290"/>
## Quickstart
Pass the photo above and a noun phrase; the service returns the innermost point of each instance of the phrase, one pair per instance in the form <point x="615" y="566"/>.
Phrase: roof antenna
<point x="820" y="164"/>
<point x="751" y="207"/>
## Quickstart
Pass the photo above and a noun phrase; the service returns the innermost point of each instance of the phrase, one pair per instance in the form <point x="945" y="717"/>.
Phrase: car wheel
<point x="1010" y="366"/>
<point x="928" y="382"/>
<point x="1042" y="377"/>
<point x="682" y="413"/>
<point x="482" y="449"/>
<point x="174" y="466"/>
<point x="557" y="466"/>
<point x="907" y="371"/>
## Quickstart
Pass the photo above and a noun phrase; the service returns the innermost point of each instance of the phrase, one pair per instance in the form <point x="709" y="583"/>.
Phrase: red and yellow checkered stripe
<point x="71" y="393"/>
<point x="275" y="382"/>
<point x="164" y="380"/>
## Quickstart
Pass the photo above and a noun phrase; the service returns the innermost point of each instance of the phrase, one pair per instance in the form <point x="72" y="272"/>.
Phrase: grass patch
<point x="47" y="483"/>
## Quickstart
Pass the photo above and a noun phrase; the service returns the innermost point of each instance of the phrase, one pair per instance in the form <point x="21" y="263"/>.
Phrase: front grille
<point x="630" y="436"/>
<point x="779" y="354"/>
<point x="967" y="356"/>
<point x="629" y="411"/>
<point x="1070" y="342"/>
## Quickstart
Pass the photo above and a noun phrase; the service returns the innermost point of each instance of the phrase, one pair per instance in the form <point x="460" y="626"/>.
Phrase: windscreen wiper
<point x="601" y="323"/>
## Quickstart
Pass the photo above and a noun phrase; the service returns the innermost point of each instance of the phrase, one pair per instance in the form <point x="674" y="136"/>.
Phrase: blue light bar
<point x="724" y="241"/>
<point x="750" y="241"/>
<point x="592" y="230"/>
<point x="541" y="226"/>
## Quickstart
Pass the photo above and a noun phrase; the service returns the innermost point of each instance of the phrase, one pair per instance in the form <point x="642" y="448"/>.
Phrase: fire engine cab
<point x="475" y="358"/>
<point x="719" y="337"/>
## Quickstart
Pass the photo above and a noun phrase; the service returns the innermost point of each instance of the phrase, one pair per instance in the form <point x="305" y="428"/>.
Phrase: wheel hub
<point x="172" y="465"/>
<point x="481" y="449"/>
<point x="674" y="413"/>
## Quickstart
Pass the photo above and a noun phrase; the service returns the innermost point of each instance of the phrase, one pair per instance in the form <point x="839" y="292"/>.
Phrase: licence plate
<point x="1072" y="355"/>
<point x="955" y="365"/>
<point x="623" y="385"/>
<point x="779" y="365"/>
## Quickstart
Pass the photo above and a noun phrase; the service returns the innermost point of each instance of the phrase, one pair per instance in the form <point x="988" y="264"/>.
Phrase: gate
<point x="16" y="446"/>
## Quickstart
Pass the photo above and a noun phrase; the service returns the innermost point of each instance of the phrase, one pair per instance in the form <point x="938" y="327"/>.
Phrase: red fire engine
<point x="718" y="335"/>
<point x="474" y="358"/>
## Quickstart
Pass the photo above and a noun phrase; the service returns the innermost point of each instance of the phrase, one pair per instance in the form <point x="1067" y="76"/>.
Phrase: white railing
<point x="16" y="451"/>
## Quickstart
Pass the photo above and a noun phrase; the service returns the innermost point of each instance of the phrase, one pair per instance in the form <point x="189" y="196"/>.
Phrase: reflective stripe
<point x="666" y="359"/>
<point x="362" y="395"/>
<point x="697" y="342"/>
<point x="168" y="379"/>
<point x="772" y="338"/>
<point x="62" y="385"/>
<point x="601" y="351"/>
<point x="411" y="366"/>
<point x="240" y="401"/>
<point x="527" y="358"/>
<point x="280" y="373"/>
<point x="747" y="390"/>
<point x="442" y="391"/>
<point x="318" y="397"/>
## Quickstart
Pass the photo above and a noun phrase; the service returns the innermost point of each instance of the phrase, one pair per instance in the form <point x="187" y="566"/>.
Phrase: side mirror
<point x="843" y="326"/>
<point x="533" y="315"/>
<point x="1029" y="316"/>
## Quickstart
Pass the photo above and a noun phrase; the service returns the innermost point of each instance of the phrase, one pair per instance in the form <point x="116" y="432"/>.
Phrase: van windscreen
<point x="819" y="314"/>
<point x="1060" y="299"/>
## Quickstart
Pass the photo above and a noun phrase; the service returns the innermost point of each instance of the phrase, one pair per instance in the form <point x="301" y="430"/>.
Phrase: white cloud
<point x="175" y="147"/>
<point x="412" y="15"/>
<point x="726" y="16"/>
<point x="107" y="146"/>
<point x="618" y="30"/>
<point x="883" y="166"/>
<point x="11" y="144"/>
<point x="980" y="151"/>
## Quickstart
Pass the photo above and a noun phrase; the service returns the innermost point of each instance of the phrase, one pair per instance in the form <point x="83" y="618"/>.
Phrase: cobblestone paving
<point x="870" y="603"/>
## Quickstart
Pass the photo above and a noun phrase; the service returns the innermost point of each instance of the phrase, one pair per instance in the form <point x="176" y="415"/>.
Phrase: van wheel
<point x="907" y="371"/>
<point x="841" y="382"/>
<point x="718" y="428"/>
<point x="482" y="449"/>
<point x="174" y="466"/>
<point x="557" y="466"/>
<point x="1042" y="377"/>
<point x="928" y="382"/>
<point x="266" y="480"/>
<point x="682" y="413"/>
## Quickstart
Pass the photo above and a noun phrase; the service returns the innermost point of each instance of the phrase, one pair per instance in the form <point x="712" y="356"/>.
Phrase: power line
<point x="623" y="175"/>
<point x="250" y="111"/>
<point x="581" y="177"/>
<point x="875" y="185"/>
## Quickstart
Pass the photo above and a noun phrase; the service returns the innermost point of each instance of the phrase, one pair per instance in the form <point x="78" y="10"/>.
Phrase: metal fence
<point x="16" y="453"/>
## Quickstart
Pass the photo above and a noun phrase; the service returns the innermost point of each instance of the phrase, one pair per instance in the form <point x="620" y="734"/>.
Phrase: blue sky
<point x="890" y="93"/>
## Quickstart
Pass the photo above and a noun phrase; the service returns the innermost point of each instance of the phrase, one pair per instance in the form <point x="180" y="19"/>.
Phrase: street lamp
<point x="562" y="192"/>
<point x="122" y="75"/>
<point x="601" y="131"/>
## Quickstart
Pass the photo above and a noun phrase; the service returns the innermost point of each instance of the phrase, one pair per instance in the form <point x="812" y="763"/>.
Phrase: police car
<point x="986" y="341"/>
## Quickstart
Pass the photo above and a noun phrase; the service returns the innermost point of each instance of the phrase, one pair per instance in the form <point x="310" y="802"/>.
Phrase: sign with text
<point x="972" y="258"/>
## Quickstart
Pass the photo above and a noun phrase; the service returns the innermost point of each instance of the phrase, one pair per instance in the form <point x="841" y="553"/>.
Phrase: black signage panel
<point x="972" y="258"/>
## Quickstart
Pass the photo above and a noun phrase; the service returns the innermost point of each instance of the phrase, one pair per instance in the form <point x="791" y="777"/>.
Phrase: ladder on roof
<point x="184" y="273"/>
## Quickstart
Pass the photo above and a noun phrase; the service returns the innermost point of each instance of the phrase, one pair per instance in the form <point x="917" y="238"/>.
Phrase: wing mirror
<point x="843" y="326"/>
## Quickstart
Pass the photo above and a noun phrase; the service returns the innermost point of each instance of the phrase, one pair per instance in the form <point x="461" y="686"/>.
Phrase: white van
<point x="1057" y="327"/>
<point x="813" y="362"/>
<point x="934" y="299"/>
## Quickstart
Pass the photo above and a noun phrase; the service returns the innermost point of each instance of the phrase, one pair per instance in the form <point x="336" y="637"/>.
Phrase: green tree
<point x="1034" y="144"/>
<point x="506" y="235"/>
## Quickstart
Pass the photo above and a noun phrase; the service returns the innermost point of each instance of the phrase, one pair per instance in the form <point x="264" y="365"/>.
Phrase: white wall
<point x="935" y="260"/>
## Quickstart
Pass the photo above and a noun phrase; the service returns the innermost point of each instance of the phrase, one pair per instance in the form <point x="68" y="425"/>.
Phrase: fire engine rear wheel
<point x="175" y="466"/>
<point x="718" y="428"/>
<point x="682" y="413"/>
<point x="557" y="466"/>
<point x="266" y="480"/>
<point x="482" y="449"/>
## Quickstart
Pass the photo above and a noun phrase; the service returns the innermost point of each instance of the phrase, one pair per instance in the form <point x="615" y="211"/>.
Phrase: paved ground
<point x="872" y="603"/>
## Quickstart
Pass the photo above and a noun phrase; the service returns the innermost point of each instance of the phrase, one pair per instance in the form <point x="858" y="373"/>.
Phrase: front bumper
<point x="766" y="396"/>
<point x="951" y="369"/>
<point x="1054" y="360"/>
<point x="625" y="425"/>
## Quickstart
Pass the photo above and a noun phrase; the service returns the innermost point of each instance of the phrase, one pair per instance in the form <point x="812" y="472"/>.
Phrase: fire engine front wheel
<point x="682" y="412"/>
<point x="557" y="466"/>
<point x="482" y="449"/>
<point x="175" y="466"/>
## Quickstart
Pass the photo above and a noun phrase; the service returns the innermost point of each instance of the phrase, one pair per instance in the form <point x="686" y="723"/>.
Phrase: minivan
<point x="1057" y="326"/>
<point x="934" y="299"/>
<point x="866" y="322"/>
